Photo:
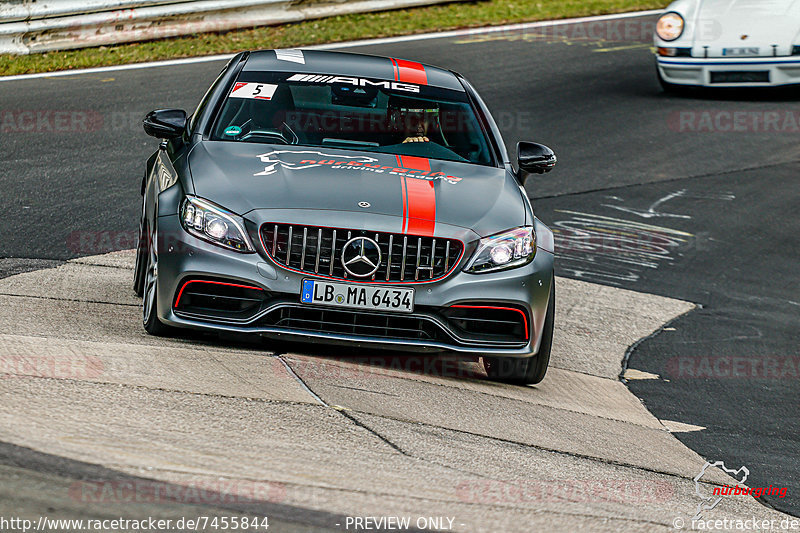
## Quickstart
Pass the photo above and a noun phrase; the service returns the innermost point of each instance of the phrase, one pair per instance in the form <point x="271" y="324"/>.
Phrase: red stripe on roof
<point x="410" y="72"/>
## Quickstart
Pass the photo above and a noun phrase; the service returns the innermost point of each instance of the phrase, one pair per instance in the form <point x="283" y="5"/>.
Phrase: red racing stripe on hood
<point x="421" y="207"/>
<point x="419" y="198"/>
<point x="414" y="163"/>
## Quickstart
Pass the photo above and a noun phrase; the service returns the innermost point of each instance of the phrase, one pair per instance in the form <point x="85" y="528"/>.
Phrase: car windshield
<point x="352" y="113"/>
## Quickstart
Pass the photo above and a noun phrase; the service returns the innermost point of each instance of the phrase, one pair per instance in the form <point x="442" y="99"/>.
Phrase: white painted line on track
<point x="633" y="374"/>
<point x="116" y="68"/>
<point x="336" y="46"/>
<point x="680" y="427"/>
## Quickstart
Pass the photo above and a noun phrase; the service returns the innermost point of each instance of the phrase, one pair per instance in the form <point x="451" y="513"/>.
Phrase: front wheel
<point x="527" y="370"/>
<point x="150" y="319"/>
<point x="141" y="265"/>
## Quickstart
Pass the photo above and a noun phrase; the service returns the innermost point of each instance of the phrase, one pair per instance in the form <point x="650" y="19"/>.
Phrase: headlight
<point x="509" y="249"/>
<point x="670" y="26"/>
<point x="212" y="223"/>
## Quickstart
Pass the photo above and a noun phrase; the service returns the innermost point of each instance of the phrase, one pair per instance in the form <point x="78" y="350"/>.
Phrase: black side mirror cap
<point x="534" y="158"/>
<point x="165" y="123"/>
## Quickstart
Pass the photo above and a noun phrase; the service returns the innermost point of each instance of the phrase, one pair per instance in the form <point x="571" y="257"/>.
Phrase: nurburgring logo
<point x="306" y="159"/>
<point x="709" y="503"/>
<point x="712" y="500"/>
<point x="297" y="160"/>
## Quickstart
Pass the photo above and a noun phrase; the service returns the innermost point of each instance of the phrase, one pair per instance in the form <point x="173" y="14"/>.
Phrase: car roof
<point x="349" y="64"/>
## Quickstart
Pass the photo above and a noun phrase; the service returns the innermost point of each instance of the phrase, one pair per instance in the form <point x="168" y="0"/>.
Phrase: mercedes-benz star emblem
<point x="364" y="204"/>
<point x="361" y="257"/>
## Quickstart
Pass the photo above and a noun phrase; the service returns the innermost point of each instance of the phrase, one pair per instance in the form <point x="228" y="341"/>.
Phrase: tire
<point x="527" y="370"/>
<point x="152" y="324"/>
<point x="141" y="265"/>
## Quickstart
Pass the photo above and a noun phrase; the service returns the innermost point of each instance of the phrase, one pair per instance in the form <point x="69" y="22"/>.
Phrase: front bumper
<point x="712" y="72"/>
<point x="182" y="257"/>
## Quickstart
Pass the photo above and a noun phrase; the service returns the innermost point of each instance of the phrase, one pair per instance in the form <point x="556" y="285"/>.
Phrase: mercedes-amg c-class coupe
<point x="347" y="199"/>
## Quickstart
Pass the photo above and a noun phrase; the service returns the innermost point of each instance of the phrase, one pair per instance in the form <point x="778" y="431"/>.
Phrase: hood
<point x="420" y="193"/>
<point x="752" y="26"/>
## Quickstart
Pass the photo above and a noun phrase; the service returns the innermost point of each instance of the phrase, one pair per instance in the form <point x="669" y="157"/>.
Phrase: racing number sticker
<point x="256" y="91"/>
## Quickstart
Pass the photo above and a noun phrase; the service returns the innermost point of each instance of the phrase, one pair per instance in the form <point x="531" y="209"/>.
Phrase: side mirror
<point x="165" y="123"/>
<point x="535" y="158"/>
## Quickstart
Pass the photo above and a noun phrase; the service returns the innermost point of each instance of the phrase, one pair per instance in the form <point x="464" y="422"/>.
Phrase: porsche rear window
<point x="320" y="110"/>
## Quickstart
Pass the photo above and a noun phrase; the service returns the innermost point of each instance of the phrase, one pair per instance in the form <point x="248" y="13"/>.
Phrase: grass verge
<point x="333" y="29"/>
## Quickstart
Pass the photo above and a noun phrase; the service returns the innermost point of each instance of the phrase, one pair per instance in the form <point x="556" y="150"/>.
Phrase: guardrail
<point x="28" y="26"/>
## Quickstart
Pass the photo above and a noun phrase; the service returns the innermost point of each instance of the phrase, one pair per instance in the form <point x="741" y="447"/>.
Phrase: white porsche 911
<point x="728" y="43"/>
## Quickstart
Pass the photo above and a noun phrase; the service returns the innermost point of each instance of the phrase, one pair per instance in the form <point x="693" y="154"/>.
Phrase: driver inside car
<point x="418" y="120"/>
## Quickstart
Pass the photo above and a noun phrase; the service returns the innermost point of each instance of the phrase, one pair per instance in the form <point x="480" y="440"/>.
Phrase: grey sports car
<point x="348" y="199"/>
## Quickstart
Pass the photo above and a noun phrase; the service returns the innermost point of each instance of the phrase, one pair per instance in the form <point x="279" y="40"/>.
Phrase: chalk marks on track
<point x="654" y="210"/>
<point x="618" y="251"/>
<point x="613" y="250"/>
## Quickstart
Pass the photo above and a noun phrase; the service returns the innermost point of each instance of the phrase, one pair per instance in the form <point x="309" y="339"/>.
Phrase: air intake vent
<point x="219" y="299"/>
<point x="489" y="322"/>
<point x="382" y="326"/>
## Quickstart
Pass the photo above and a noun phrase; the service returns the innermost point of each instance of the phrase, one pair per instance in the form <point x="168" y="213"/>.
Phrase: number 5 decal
<point x="255" y="91"/>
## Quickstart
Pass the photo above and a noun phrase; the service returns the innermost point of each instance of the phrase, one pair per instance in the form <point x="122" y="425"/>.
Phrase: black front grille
<point x="351" y="322"/>
<point x="742" y="76"/>
<point x="317" y="250"/>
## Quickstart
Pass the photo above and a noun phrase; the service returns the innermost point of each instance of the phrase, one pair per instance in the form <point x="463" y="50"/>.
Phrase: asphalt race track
<point x="674" y="224"/>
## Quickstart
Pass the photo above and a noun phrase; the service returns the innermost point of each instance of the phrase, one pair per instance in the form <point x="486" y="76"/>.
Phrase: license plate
<point x="739" y="52"/>
<point x="746" y="76"/>
<point x="356" y="296"/>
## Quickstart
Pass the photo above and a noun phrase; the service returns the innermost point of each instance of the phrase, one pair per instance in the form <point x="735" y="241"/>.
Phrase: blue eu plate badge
<point x="308" y="291"/>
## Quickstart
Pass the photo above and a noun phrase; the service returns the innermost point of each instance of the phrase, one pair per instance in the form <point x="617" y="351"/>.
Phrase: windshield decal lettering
<point x="357" y="82"/>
